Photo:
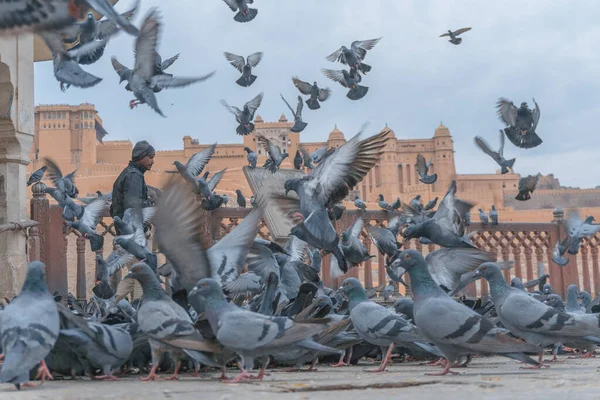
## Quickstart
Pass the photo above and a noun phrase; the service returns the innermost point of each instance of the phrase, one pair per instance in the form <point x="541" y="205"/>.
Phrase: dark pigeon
<point x="454" y="39"/>
<point x="526" y="187"/>
<point x="37" y="176"/>
<point x="348" y="80"/>
<point x="241" y="199"/>
<point x="521" y="123"/>
<point x="354" y="56"/>
<point x="276" y="156"/>
<point x="384" y="205"/>
<point x="314" y="91"/>
<point x="251" y="156"/>
<point x="245" y="116"/>
<point x="243" y="12"/>
<point x="244" y="66"/>
<point x="430" y="205"/>
<point x="298" y="160"/>
<point x="494" y="215"/>
<point x="423" y="170"/>
<point x="299" y="125"/>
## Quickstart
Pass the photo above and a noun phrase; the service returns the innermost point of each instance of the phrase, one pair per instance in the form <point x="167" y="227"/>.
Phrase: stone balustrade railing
<point x="528" y="245"/>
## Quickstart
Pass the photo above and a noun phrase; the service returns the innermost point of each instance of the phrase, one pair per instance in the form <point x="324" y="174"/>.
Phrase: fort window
<point x="44" y="125"/>
<point x="444" y="156"/>
<point x="76" y="126"/>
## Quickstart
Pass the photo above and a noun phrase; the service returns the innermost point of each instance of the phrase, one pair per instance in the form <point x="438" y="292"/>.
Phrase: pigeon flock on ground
<point x="250" y="303"/>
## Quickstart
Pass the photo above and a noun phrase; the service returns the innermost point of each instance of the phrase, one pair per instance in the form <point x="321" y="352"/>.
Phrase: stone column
<point x="16" y="137"/>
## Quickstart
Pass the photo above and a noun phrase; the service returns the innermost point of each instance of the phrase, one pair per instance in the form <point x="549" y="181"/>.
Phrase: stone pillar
<point x="16" y="137"/>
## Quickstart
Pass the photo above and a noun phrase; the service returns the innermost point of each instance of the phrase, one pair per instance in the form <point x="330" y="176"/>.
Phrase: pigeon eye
<point x="203" y="284"/>
<point x="407" y="256"/>
<point x="484" y="268"/>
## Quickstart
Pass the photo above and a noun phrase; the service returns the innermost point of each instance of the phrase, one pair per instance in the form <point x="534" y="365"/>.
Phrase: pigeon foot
<point x="152" y="375"/>
<point x="445" y="371"/>
<point x="109" y="377"/>
<point x="43" y="372"/>
<point x="243" y="376"/>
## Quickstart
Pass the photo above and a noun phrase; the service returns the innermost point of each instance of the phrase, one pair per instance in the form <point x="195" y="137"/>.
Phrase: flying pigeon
<point x="41" y="16"/>
<point x="423" y="169"/>
<point x="194" y="167"/>
<point x="37" y="175"/>
<point x="348" y="80"/>
<point x="527" y="186"/>
<point x="353" y="248"/>
<point x="578" y="230"/>
<point x="453" y="35"/>
<point x="453" y="327"/>
<point x="251" y="156"/>
<point x="497" y="156"/>
<point x="559" y="251"/>
<point x="65" y="184"/>
<point x="299" y="125"/>
<point x="244" y="13"/>
<point x="244" y="66"/>
<point x="86" y="224"/>
<point x="385" y="238"/>
<point x="358" y="203"/>
<point x="245" y="116"/>
<point x="29" y="328"/>
<point x="276" y="156"/>
<point x="354" y="55"/>
<point x="521" y="123"/>
<point x="89" y="30"/>
<point x="142" y="79"/>
<point x="316" y="94"/>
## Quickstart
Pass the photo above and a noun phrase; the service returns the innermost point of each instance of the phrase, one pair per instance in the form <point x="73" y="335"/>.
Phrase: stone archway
<point x="7" y="92"/>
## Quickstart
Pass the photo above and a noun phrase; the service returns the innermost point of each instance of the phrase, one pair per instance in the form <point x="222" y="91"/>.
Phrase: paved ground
<point x="492" y="378"/>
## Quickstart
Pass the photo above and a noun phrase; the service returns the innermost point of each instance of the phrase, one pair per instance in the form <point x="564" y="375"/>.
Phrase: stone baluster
<point x="516" y="251"/>
<point x="595" y="271"/>
<point x="34" y="244"/>
<point x="583" y="250"/>
<point x="529" y="261"/>
<point x="505" y="257"/>
<point x="39" y="211"/>
<point x="81" y="292"/>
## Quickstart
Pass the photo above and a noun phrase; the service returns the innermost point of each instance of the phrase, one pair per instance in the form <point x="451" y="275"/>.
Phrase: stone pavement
<point x="491" y="378"/>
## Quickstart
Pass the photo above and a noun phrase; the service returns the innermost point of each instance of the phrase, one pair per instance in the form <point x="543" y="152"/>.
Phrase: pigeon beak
<point x="98" y="282"/>
<point x="129" y="275"/>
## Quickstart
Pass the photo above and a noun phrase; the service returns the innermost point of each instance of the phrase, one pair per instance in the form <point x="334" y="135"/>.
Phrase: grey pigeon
<point x="298" y="160"/>
<point x="467" y="218"/>
<point x="177" y="219"/>
<point x="299" y="125"/>
<point x="380" y="326"/>
<point x="141" y="252"/>
<point x="559" y="251"/>
<point x="306" y="159"/>
<point x="584" y="298"/>
<point x="276" y="156"/>
<point x="446" y="228"/>
<point x="540" y="281"/>
<point x="244" y="66"/>
<point x="526" y="187"/>
<point x="385" y="239"/>
<point x="142" y="79"/>
<point x="168" y="326"/>
<point x="86" y="224"/>
<point x="547" y="289"/>
<point x="29" y="328"/>
<point x="494" y="215"/>
<point x="454" y="39"/>
<point x="106" y="347"/>
<point x="406" y="306"/>
<point x="358" y="203"/>
<point x="241" y="199"/>
<point x="37" y="175"/>
<point x="225" y="200"/>
<point x="89" y="30"/>
<point x="244" y="13"/>
<point x="388" y="291"/>
<point x="416" y="203"/>
<point x="384" y="205"/>
<point x="579" y="230"/>
<point x="483" y="218"/>
<point x="572" y="305"/>
<point x="430" y="205"/>
<point x="354" y="56"/>
<point x="252" y="335"/>
<point x="498" y="156"/>
<point x="454" y="328"/>
<point x="251" y="156"/>
<point x="318" y="155"/>
<point x="348" y="80"/>
<point x="194" y="167"/>
<point x="245" y="116"/>
<point x="423" y="170"/>
<point x="35" y="16"/>
<point x="329" y="183"/>
<point x="66" y="184"/>
<point x="516" y="283"/>
<point x="396" y="204"/>
<point x="521" y="123"/>
<point x="316" y="93"/>
<point x="252" y="201"/>
<point x="353" y="248"/>
<point x="530" y="319"/>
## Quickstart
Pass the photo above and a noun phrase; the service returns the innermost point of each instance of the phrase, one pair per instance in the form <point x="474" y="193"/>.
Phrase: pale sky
<point x="542" y="49"/>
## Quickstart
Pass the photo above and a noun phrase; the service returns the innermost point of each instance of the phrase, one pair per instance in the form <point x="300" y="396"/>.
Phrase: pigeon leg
<point x="175" y="376"/>
<point x="349" y="356"/>
<point x="314" y="364"/>
<point x="444" y="372"/>
<point x="133" y="103"/>
<point x="539" y="365"/>
<point x="109" y="377"/>
<point x="341" y="363"/>
<point x="152" y="375"/>
<point x="43" y="372"/>
<point x="384" y="360"/>
<point x="435" y="363"/>
<point x="241" y="377"/>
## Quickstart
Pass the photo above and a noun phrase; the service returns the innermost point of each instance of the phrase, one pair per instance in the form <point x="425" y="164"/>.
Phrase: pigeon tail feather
<point x="313" y="104"/>
<point x="357" y="93"/>
<point x="240" y="17"/>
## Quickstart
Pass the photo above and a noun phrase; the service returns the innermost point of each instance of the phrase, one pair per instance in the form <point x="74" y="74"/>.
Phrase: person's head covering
<point x="141" y="150"/>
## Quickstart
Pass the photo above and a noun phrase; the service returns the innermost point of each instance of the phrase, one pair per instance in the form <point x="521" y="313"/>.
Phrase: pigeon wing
<point x="92" y="212"/>
<point x="237" y="61"/>
<point x="507" y="111"/>
<point x="270" y="147"/>
<point x="303" y="87"/>
<point x="234" y="110"/>
<point x="255" y="58"/>
<point x="360" y="47"/>
<point x="535" y="114"/>
<point x="145" y="46"/>
<point x="255" y="102"/>
<point x="324" y="94"/>
<point x="334" y="75"/>
<point x="215" y="179"/>
<point x="169" y="61"/>
<point x="421" y="165"/>
<point x="168" y="81"/>
<point x="198" y="161"/>
<point x="231" y="4"/>
<point x="288" y="104"/>
<point x="337" y="55"/>
<point x="461" y="30"/>
<point x="483" y="145"/>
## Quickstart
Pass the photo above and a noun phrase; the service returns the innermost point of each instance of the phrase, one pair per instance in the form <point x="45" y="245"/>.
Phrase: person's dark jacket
<point x="129" y="190"/>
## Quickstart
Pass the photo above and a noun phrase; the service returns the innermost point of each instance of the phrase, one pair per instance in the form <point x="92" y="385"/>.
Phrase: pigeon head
<point x="418" y="197"/>
<point x="489" y="271"/>
<point x="35" y="281"/>
<point x="356" y="197"/>
<point x="118" y="240"/>
<point x="141" y="272"/>
<point x="493" y="207"/>
<point x="554" y="301"/>
<point x="284" y="156"/>
<point x="291" y="184"/>
<point x="405" y="306"/>
<point x="516" y="283"/>
<point x="547" y="289"/>
<point x="411" y="232"/>
<point x="247" y="149"/>
<point x="524" y="105"/>
<point x="178" y="165"/>
<point x="208" y="288"/>
<point x="584" y="297"/>
<point x="90" y="17"/>
<point x="409" y="259"/>
<point x="323" y="301"/>
<point x="380" y="197"/>
<point x="238" y="191"/>
<point x="589" y="219"/>
<point x="480" y="210"/>
<point x="353" y="289"/>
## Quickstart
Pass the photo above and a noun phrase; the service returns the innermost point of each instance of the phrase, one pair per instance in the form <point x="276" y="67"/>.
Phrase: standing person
<point x="130" y="191"/>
